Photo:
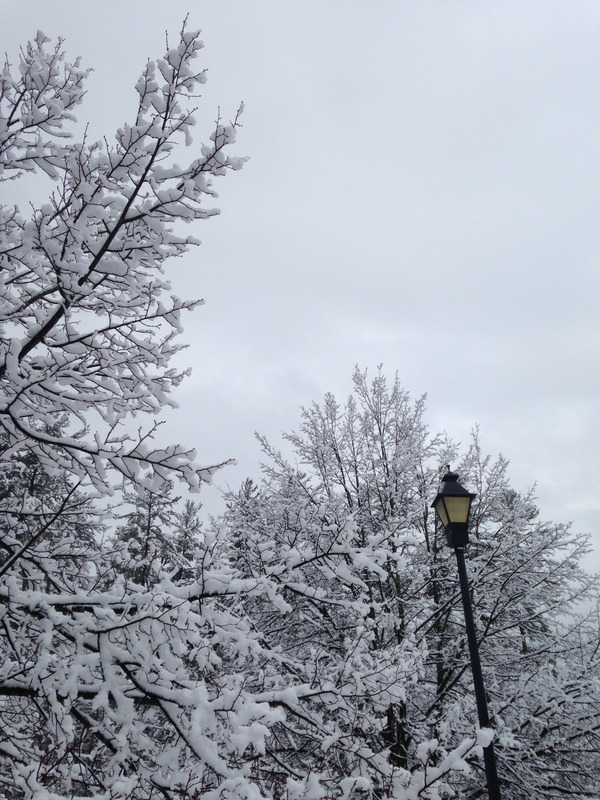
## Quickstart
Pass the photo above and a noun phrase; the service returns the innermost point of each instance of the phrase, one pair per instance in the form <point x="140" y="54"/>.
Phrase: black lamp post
<point x="453" y="506"/>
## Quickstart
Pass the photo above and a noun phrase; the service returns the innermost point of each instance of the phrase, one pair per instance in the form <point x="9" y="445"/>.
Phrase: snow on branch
<point x="88" y="323"/>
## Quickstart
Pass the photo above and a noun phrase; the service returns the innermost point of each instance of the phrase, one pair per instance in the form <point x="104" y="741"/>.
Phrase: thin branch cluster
<point x="88" y="326"/>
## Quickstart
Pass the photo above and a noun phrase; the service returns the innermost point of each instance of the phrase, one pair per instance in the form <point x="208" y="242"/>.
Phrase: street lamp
<point x="453" y="506"/>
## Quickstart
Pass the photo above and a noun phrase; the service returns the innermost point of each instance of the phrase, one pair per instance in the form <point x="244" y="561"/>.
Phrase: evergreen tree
<point x="147" y="534"/>
<point x="159" y="539"/>
<point x="189" y="540"/>
<point x="48" y="525"/>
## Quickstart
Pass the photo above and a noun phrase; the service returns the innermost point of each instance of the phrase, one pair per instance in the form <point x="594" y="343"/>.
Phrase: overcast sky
<point x="423" y="192"/>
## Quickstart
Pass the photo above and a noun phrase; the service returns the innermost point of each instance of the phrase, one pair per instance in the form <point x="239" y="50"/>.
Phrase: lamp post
<point x="453" y="506"/>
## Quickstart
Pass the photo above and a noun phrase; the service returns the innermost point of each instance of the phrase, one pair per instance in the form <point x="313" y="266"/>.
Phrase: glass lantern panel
<point x="457" y="508"/>
<point x="439" y="507"/>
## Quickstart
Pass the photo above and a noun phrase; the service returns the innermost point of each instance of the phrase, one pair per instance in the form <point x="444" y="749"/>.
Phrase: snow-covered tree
<point x="44" y="520"/>
<point x="112" y="686"/>
<point x="158" y="538"/>
<point x="310" y="645"/>
<point x="372" y="619"/>
<point x="108" y="688"/>
<point x="87" y="324"/>
<point x="147" y="533"/>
